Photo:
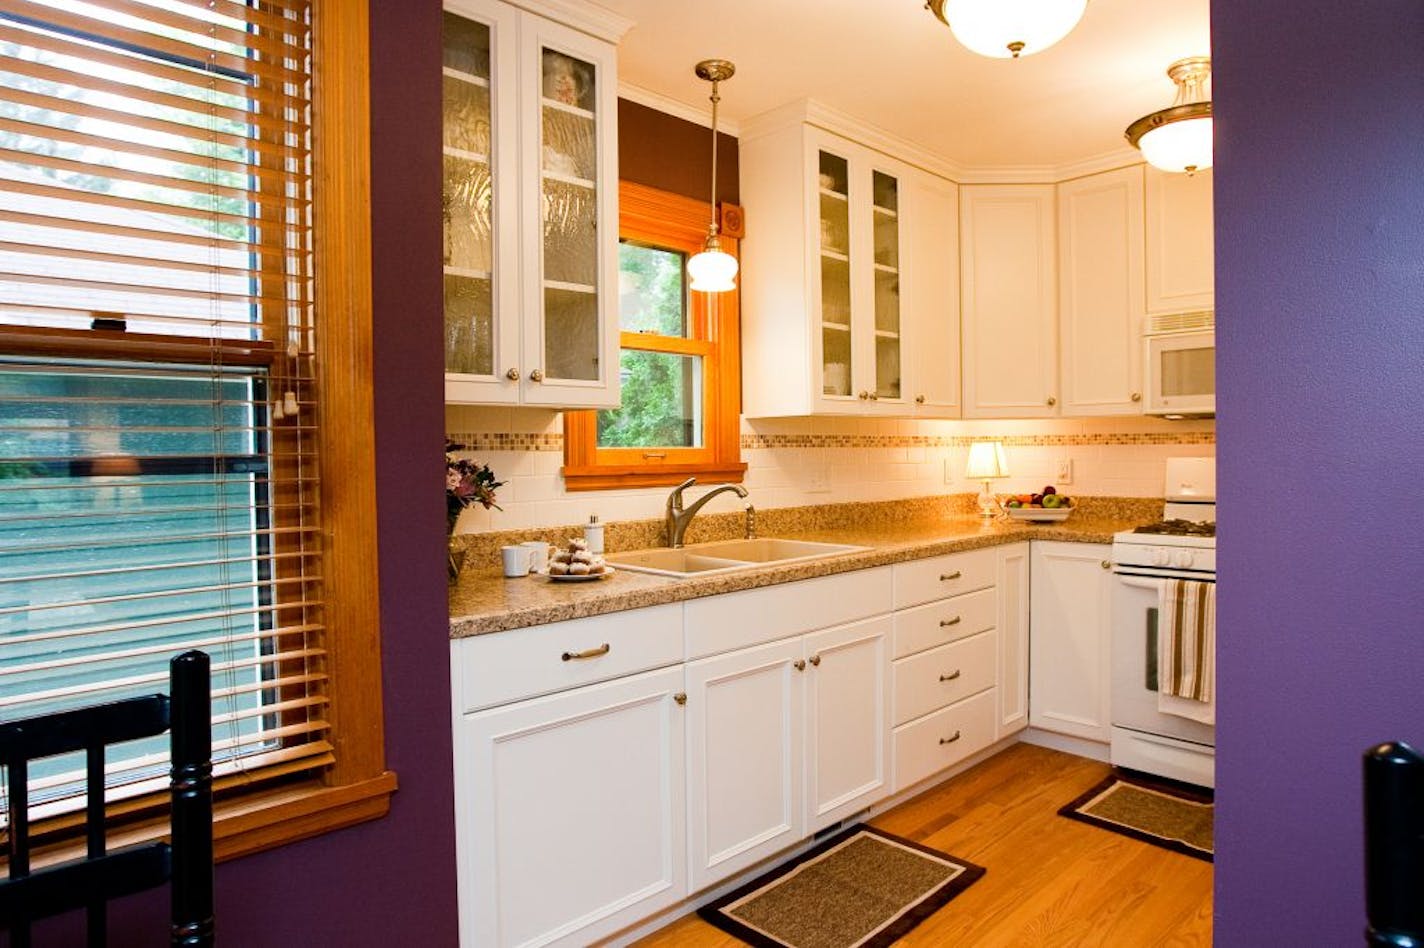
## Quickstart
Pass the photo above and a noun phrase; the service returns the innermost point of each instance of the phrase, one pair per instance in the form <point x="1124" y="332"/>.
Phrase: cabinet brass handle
<point x="536" y="376"/>
<point x="946" y="623"/>
<point x="654" y="455"/>
<point x="799" y="664"/>
<point x="603" y="649"/>
<point x="1137" y="396"/>
<point x="946" y="577"/>
<point x="951" y="676"/>
<point x="512" y="375"/>
<point x="815" y="660"/>
<point x="951" y="739"/>
<point x="680" y="697"/>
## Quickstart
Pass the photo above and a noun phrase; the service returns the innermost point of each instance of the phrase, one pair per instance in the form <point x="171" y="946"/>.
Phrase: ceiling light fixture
<point x="1007" y="29"/>
<point x="713" y="269"/>
<point x="1179" y="138"/>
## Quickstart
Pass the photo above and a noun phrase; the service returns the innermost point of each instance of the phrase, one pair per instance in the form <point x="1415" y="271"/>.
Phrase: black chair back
<point x="1394" y="846"/>
<point x="90" y="883"/>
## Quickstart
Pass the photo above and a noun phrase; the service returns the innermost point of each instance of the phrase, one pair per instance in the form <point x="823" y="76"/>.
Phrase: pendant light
<point x="1179" y="138"/>
<point x="1007" y="29"/>
<point x="713" y="270"/>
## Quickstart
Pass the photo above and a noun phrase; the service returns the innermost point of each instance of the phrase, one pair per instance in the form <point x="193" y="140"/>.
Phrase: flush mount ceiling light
<point x="713" y="270"/>
<point x="1179" y="138"/>
<point x="1007" y="29"/>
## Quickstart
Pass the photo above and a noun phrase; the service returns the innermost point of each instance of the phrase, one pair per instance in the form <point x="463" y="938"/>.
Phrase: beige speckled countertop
<point x="484" y="601"/>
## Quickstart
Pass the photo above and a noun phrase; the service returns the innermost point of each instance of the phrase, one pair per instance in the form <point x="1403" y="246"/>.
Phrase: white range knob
<point x="1159" y="556"/>
<point x="1183" y="559"/>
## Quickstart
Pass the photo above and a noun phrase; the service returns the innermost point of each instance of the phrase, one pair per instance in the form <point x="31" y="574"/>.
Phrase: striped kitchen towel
<point x="1186" y="650"/>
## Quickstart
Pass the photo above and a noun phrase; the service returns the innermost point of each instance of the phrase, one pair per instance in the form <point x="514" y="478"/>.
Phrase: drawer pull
<point x="951" y="739"/>
<point x="946" y="623"/>
<point x="946" y="577"/>
<point x="603" y="649"/>
<point x="815" y="660"/>
<point x="799" y="664"/>
<point x="951" y="676"/>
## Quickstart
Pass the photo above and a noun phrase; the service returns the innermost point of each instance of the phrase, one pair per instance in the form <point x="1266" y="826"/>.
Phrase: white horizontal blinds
<point x="158" y="417"/>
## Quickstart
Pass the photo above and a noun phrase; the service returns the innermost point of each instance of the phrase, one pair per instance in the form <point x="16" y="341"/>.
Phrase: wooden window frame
<point x="357" y="787"/>
<point x="669" y="221"/>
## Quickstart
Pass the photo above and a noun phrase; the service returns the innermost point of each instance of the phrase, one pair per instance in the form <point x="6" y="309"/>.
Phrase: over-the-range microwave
<point x="1180" y="363"/>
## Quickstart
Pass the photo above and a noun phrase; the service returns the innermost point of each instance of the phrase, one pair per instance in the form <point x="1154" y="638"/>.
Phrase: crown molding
<point x="811" y="112"/>
<point x="599" y="22"/>
<point x="677" y="108"/>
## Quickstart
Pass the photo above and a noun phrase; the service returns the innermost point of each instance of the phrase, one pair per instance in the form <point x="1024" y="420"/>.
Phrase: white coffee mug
<point x="516" y="561"/>
<point x="538" y="555"/>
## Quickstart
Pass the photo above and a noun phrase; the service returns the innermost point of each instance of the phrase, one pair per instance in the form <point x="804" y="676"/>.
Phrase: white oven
<point x="1180" y="362"/>
<point x="1183" y="546"/>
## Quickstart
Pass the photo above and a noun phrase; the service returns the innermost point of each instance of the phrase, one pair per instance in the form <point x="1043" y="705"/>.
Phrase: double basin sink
<point x="725" y="556"/>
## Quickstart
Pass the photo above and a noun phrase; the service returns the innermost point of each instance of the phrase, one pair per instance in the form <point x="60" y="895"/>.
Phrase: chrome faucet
<point x="678" y="518"/>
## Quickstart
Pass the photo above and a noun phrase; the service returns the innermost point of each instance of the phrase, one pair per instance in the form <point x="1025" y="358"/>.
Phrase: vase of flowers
<point x="467" y="482"/>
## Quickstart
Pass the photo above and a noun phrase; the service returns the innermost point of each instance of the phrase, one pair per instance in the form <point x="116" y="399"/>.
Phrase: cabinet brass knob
<point x="799" y="664"/>
<point x="874" y="397"/>
<point x="951" y="676"/>
<point x="946" y="623"/>
<point x="680" y="697"/>
<point x="536" y="376"/>
<point x="512" y="375"/>
<point x="919" y="399"/>
<point x="864" y="395"/>
<point x="1052" y="401"/>
<point x="1107" y="564"/>
<point x="1137" y="396"/>
<point x="946" y="577"/>
<point x="951" y="739"/>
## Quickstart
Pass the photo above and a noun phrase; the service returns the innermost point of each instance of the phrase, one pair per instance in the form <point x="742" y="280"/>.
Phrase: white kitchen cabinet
<point x="570" y="812"/>
<point x="1181" y="265"/>
<point x="1013" y="623"/>
<point x="531" y="207"/>
<point x="1070" y="614"/>
<point x="1101" y="295"/>
<point x="847" y="720"/>
<point x="1009" y="293"/>
<point x="848" y="304"/>
<point x="745" y="727"/>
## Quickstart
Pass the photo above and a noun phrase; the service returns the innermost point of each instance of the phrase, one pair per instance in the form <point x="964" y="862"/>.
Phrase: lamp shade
<point x="1011" y="28"/>
<point x="1183" y="145"/>
<point x="712" y="271"/>
<point x="986" y="460"/>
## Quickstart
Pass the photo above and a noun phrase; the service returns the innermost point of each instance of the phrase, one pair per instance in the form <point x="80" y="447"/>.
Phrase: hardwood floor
<point x="1051" y="881"/>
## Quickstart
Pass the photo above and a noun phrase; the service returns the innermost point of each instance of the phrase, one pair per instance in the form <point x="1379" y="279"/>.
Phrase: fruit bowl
<point x="1039" y="514"/>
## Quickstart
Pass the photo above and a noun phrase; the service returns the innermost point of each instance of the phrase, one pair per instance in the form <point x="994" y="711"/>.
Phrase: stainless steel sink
<point x="724" y="556"/>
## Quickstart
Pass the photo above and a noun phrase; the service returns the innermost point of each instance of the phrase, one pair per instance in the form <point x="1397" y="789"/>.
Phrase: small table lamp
<point x="986" y="462"/>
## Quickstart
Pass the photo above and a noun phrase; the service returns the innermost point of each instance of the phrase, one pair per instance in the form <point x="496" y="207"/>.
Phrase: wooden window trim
<point x="357" y="787"/>
<point x="662" y="219"/>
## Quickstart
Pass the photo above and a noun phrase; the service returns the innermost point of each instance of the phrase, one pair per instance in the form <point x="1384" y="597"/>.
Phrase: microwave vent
<point x="1180" y="322"/>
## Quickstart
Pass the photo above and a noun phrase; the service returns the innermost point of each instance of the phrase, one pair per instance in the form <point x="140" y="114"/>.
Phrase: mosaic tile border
<point x="504" y="441"/>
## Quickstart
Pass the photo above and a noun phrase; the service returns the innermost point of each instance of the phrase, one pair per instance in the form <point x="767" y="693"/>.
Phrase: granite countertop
<point x="483" y="601"/>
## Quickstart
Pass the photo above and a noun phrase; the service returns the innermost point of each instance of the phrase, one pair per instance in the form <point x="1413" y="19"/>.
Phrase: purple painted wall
<point x="1320" y="298"/>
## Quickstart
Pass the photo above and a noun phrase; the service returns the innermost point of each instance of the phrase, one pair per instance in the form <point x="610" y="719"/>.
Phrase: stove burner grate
<point x="1180" y="528"/>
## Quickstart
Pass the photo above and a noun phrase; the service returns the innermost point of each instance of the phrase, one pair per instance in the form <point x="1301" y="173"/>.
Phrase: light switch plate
<point x="1065" y="471"/>
<point x="948" y="473"/>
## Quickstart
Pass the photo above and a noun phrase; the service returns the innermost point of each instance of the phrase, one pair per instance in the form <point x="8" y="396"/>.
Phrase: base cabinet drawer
<point x="937" y="577"/>
<point x="930" y="744"/>
<point x="946" y="620"/>
<point x="932" y="680"/>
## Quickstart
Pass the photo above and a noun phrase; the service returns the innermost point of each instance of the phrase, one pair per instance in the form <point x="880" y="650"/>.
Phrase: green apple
<point x="1052" y="501"/>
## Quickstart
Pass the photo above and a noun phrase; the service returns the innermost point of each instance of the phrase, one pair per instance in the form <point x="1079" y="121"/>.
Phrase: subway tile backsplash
<point x="807" y="461"/>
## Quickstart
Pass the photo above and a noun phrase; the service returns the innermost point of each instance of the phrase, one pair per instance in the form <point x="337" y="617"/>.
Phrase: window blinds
<point x="158" y="417"/>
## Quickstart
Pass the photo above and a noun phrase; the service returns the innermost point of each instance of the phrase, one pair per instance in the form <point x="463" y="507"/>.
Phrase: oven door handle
<point x="1141" y="582"/>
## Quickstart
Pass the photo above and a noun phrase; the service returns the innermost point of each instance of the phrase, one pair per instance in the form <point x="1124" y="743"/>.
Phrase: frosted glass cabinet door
<point x="837" y="351"/>
<point x="567" y="342"/>
<point x="885" y="223"/>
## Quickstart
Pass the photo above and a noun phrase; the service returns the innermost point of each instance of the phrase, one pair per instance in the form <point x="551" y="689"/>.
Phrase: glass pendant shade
<point x="1179" y="138"/>
<point x="1006" y="29"/>
<point x="712" y="270"/>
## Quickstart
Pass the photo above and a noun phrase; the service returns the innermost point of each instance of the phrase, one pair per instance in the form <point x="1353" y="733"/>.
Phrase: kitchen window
<point x="169" y="477"/>
<point x="679" y="360"/>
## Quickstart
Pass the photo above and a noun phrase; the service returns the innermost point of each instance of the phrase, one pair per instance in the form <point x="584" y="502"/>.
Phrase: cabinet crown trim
<point x="589" y="18"/>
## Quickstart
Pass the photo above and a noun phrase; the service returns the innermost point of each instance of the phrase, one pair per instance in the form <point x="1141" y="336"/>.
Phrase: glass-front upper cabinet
<point x="530" y="208"/>
<point x="885" y="223"/>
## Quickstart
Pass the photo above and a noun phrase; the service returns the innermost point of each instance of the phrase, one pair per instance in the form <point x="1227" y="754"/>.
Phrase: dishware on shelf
<point x="837" y="380"/>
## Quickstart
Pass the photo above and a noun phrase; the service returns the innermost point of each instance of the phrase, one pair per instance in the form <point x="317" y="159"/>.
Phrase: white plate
<point x="1039" y="514"/>
<point x="577" y="578"/>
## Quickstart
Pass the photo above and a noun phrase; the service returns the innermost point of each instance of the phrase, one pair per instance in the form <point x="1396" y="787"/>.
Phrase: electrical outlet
<point x="1065" y="471"/>
<point x="948" y="473"/>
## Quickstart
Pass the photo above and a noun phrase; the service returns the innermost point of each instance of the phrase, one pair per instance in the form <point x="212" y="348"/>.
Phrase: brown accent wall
<point x="664" y="151"/>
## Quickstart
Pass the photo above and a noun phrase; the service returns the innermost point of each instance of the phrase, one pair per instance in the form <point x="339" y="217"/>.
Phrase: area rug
<point x="1164" y="813"/>
<point x="862" y="888"/>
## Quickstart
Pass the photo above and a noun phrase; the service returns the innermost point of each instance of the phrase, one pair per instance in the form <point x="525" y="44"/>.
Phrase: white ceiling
<point x="892" y="64"/>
